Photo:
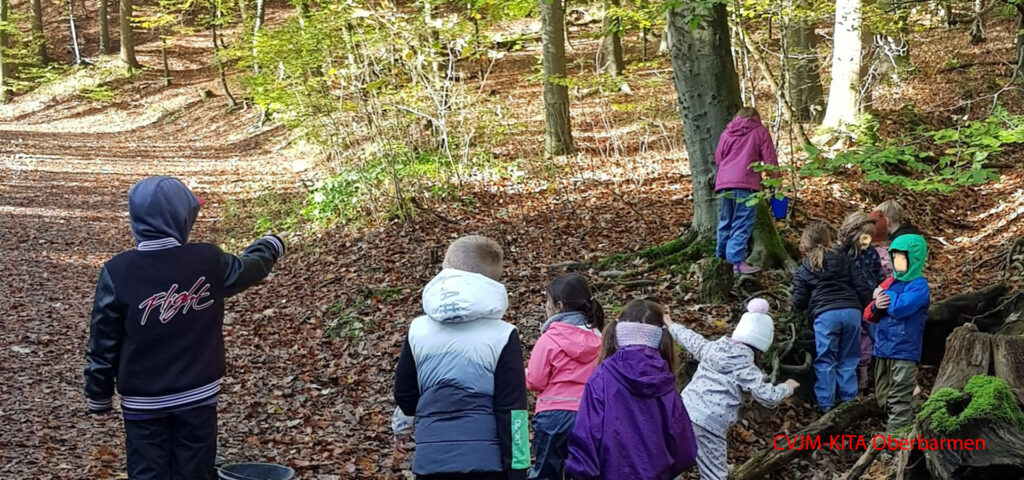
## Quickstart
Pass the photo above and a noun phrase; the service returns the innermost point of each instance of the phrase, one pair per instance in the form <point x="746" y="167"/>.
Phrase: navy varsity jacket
<point x="156" y="330"/>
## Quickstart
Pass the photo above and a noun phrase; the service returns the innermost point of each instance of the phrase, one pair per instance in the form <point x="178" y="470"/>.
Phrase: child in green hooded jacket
<point x="900" y="307"/>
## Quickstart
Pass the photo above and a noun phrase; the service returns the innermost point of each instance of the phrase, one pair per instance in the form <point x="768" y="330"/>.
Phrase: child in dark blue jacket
<point x="835" y="291"/>
<point x="156" y="332"/>
<point x="855" y="239"/>
<point x="901" y="308"/>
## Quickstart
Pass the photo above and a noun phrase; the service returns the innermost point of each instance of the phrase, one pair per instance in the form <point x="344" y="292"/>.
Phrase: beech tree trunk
<point x="611" y="44"/>
<point x="976" y="35"/>
<point x="714" y="277"/>
<point x="104" y="29"/>
<point x="5" y="63"/>
<point x="128" y="36"/>
<point x="37" y="32"/>
<point x="558" y="133"/>
<point x="709" y="95"/>
<point x="844" y="96"/>
<point x="1020" y="39"/>
<point x="804" y="80"/>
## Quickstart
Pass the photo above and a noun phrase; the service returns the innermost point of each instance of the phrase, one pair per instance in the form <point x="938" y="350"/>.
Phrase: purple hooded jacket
<point x="744" y="142"/>
<point x="631" y="423"/>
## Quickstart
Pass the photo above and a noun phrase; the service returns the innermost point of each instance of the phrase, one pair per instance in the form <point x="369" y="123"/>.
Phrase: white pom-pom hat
<point x="756" y="328"/>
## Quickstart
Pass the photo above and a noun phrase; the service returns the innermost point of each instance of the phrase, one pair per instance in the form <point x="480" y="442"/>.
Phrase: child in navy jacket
<point x="156" y="332"/>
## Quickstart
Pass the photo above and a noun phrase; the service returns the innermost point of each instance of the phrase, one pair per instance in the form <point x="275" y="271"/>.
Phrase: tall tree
<point x="558" y="139"/>
<point x="5" y="62"/>
<point x="611" y="44"/>
<point x="709" y="95"/>
<point x="104" y="29"/>
<point x="127" y="36"/>
<point x="261" y="14"/>
<point x="37" y="32"/>
<point x="844" y="95"/>
<point x="803" y="80"/>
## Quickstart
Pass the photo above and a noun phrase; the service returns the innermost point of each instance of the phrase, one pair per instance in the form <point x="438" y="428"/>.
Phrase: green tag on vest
<point x="520" y="440"/>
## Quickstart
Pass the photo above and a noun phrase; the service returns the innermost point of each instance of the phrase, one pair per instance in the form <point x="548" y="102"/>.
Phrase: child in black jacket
<point x="834" y="290"/>
<point x="156" y="332"/>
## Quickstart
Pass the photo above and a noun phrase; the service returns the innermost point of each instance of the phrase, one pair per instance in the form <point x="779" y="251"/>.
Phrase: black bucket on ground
<point x="255" y="471"/>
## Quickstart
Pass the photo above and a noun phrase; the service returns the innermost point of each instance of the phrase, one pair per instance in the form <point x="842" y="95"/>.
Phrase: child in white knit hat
<point x="726" y="370"/>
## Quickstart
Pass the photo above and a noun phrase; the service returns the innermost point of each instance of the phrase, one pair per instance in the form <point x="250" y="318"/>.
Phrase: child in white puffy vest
<point x="727" y="369"/>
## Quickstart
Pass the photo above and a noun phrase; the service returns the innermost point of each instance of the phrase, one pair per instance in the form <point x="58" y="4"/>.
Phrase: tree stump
<point x="714" y="277"/>
<point x="1008" y="362"/>
<point x="968" y="353"/>
<point x="953" y="421"/>
<point x="768" y="251"/>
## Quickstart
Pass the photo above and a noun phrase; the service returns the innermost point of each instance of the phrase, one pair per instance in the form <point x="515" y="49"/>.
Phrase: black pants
<point x="181" y="446"/>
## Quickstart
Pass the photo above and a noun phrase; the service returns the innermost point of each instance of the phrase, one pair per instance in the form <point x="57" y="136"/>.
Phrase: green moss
<point x="984" y="397"/>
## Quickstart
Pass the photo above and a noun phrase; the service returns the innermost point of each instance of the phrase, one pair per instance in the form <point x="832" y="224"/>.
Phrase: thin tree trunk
<point x="261" y="13"/>
<point x="804" y="80"/>
<point x="558" y="139"/>
<point x="127" y="36"/>
<point x="1020" y="39"/>
<point x="74" y="32"/>
<point x="709" y="96"/>
<point x="302" y="11"/>
<point x="844" y="97"/>
<point x="611" y="44"/>
<point x="787" y="107"/>
<point x="243" y="13"/>
<point x="37" y="32"/>
<point x="976" y="35"/>
<point x="104" y="29"/>
<point x="214" y="10"/>
<point x="5" y="64"/>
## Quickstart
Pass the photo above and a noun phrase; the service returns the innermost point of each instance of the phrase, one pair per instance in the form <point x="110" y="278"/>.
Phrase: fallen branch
<point x="862" y="464"/>
<point x="837" y="420"/>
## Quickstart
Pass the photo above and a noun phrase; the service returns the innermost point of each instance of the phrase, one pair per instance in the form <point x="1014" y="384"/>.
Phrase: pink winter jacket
<point x="561" y="362"/>
<point x="744" y="142"/>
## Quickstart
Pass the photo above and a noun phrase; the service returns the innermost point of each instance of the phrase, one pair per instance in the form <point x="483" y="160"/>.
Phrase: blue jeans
<point x="735" y="224"/>
<point x="837" y="342"/>
<point x="551" y="429"/>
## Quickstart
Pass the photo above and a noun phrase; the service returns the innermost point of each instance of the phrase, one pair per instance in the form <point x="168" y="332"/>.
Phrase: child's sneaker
<point x="743" y="269"/>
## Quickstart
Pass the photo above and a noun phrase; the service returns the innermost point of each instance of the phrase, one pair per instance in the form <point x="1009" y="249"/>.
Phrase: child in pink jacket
<point x="562" y="361"/>
<point x="744" y="143"/>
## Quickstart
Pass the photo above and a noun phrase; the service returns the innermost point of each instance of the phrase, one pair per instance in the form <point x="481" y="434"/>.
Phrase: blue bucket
<point x="255" y="471"/>
<point x="780" y="207"/>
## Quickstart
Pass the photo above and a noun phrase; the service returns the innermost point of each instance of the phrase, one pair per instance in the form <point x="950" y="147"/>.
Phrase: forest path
<point x="66" y="166"/>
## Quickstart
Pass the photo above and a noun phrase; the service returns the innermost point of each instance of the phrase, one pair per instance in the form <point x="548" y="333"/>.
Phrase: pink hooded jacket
<point x="744" y="142"/>
<point x="560" y="365"/>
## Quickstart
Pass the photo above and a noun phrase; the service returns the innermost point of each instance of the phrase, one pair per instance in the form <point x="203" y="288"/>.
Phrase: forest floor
<point x="311" y="351"/>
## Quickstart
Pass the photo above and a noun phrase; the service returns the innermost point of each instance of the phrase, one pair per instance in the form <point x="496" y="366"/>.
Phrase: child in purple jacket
<point x="744" y="143"/>
<point x="631" y="422"/>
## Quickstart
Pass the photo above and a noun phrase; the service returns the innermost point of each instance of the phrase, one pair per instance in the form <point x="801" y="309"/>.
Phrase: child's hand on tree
<point x="793" y="384"/>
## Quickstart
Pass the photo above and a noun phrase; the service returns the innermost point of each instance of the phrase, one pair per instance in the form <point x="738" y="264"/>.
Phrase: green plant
<point x="938" y="161"/>
<point x="983" y="398"/>
<point x="98" y="93"/>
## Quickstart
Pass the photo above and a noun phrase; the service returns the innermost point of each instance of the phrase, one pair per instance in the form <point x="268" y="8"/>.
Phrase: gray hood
<point x="726" y="356"/>
<point x="160" y="208"/>
<point x="455" y="296"/>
